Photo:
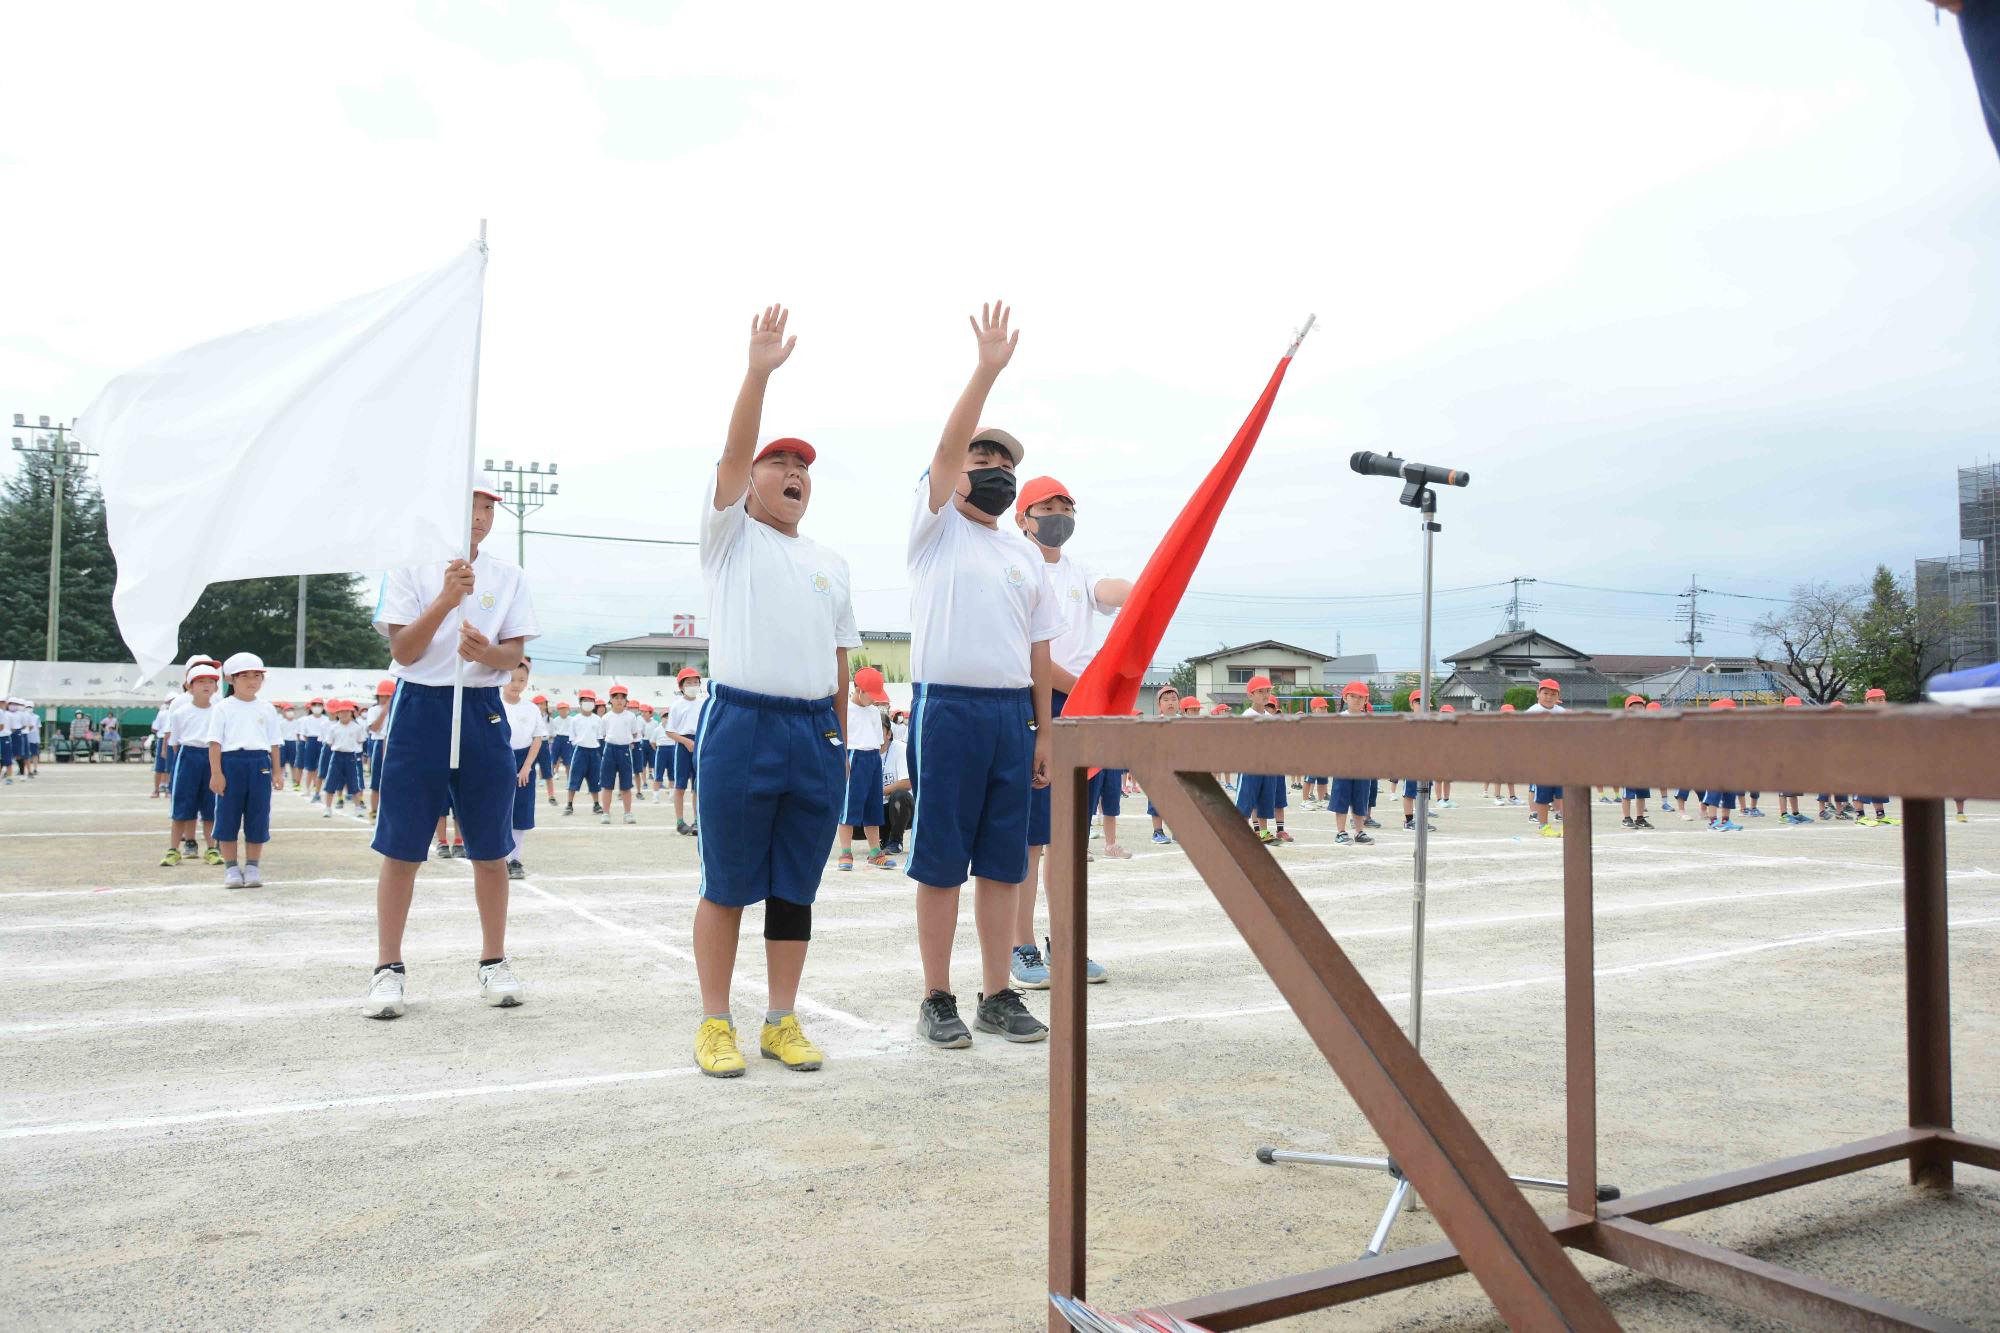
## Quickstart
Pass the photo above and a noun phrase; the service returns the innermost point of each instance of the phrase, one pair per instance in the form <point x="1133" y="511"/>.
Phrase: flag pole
<point x="471" y="464"/>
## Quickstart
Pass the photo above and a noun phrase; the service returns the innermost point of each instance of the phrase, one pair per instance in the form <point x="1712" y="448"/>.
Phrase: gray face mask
<point x="1055" y="529"/>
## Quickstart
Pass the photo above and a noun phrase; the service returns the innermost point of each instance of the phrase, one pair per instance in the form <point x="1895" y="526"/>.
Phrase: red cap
<point x="1354" y="687"/>
<point x="687" y="673"/>
<point x="341" y="706"/>
<point x="1191" y="704"/>
<point x="315" y="701"/>
<point x="1550" y="684"/>
<point x="1220" y="710"/>
<point x="1165" y="689"/>
<point x="1318" y="704"/>
<point x="1416" y="697"/>
<point x="788" y="445"/>
<point x="1037" y="489"/>
<point x="869" y="681"/>
<point x="617" y="690"/>
<point x="586" y="694"/>
<point x="1877" y="693"/>
<point x="1722" y="703"/>
<point x="1653" y="707"/>
<point x="1838" y="703"/>
<point x="1506" y="708"/>
<point x="1635" y="701"/>
<point x="1447" y="708"/>
<point x="539" y="699"/>
<point x="383" y="689"/>
<point x="1258" y="683"/>
<point x="1793" y="701"/>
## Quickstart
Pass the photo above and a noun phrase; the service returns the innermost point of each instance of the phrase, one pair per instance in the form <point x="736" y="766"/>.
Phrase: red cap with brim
<point x="687" y="673"/>
<point x="1354" y="687"/>
<point x="1190" y="705"/>
<point x="617" y="690"/>
<point x="1634" y="701"/>
<point x="1653" y="707"/>
<point x="1876" y="694"/>
<point x="1258" y="683"/>
<point x="1039" y="489"/>
<point x="1318" y="704"/>
<point x="1550" y="684"/>
<point x="869" y="681"/>
<point x="1793" y="701"/>
<point x="1506" y="708"/>
<point x="788" y="445"/>
<point x="1722" y="703"/>
<point x="384" y="689"/>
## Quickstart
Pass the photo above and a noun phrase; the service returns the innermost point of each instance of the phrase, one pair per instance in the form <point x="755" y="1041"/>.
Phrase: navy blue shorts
<point x="419" y="783"/>
<point x="684" y="761"/>
<point x="245" y="802"/>
<point x="1259" y="794"/>
<point x="1545" y="794"/>
<point x="288" y="753"/>
<point x="1040" y="799"/>
<point x="1107" y="792"/>
<point x="584" y="771"/>
<point x="343" y="773"/>
<point x="1722" y="800"/>
<point x="614" y="767"/>
<point x="309" y="754"/>
<point x="861" y="797"/>
<point x="972" y="767"/>
<point x="1349" y="796"/>
<point x="524" y="793"/>
<point x="191" y="796"/>
<point x="769" y="807"/>
<point x="1312" y="780"/>
<point x="545" y="761"/>
<point x="1638" y="793"/>
<point x="1410" y="789"/>
<point x="662" y="761"/>
<point x="162" y="754"/>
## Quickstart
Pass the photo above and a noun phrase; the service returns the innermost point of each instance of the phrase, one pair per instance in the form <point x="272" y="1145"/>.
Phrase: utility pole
<point x="299" y="645"/>
<point x="1514" y="625"/>
<point x="1693" y="595"/>
<point x="522" y="492"/>
<point x="61" y="451"/>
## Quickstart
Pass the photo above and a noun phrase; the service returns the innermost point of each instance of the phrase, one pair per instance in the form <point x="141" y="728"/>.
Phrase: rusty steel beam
<point x="1507" y="1248"/>
<point x="1753" y="1182"/>
<point x="1767" y="1289"/>
<point x="1069" y="884"/>
<point x="1971" y="1150"/>
<point x="1579" y="1004"/>
<point x="1917" y="751"/>
<point x="1927" y="970"/>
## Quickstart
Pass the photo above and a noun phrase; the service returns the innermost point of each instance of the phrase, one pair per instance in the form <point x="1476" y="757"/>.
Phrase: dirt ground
<point x="198" y="1129"/>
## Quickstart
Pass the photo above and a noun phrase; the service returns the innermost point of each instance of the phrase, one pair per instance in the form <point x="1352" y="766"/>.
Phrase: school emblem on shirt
<point x="1076" y="594"/>
<point x="486" y="601"/>
<point x="1015" y="577"/>
<point x="821" y="583"/>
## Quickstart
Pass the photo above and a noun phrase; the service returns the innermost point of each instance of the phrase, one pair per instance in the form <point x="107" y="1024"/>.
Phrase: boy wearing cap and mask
<point x="244" y="739"/>
<point x="982" y="617"/>
<point x="345" y="739"/>
<point x="622" y="730"/>
<point x="861" y="795"/>
<point x="586" y="738"/>
<point x="683" y="738"/>
<point x="1541" y="796"/>
<point x="1352" y="796"/>
<point x="1167" y="703"/>
<point x="771" y="737"/>
<point x="463" y="620"/>
<point x="1045" y="512"/>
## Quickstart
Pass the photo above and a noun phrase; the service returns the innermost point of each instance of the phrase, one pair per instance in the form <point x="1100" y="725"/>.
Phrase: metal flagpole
<point x="299" y="646"/>
<point x="471" y="455"/>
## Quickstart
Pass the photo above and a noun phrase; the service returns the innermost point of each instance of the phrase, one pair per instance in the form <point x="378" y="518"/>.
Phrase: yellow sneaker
<point x="173" y="856"/>
<point x="1551" y="831"/>
<point x="783" y="1041"/>
<point x="212" y="856"/>
<point x="715" y="1050"/>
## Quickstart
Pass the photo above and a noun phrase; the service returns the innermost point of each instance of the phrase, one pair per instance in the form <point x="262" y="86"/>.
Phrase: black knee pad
<point x="787" y="920"/>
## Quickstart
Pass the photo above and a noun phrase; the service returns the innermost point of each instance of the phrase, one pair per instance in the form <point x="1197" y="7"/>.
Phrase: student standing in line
<point x="527" y="736"/>
<point x="1634" y="703"/>
<point x="190" y="727"/>
<point x="622" y="729"/>
<point x="244" y="740"/>
<point x="586" y="737"/>
<point x="861" y="794"/>
<point x="545" y="763"/>
<point x="1257" y="793"/>
<point x="683" y="731"/>
<point x="344" y="738"/>
<point x="1874" y="698"/>
<point x="1351" y="796"/>
<point x="1543" y="796"/>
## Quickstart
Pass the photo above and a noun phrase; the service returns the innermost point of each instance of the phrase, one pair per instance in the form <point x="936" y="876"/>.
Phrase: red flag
<point x="1110" y="684"/>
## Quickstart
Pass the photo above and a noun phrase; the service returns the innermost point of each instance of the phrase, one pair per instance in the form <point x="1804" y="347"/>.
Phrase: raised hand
<point x="768" y="344"/>
<point x="996" y="347"/>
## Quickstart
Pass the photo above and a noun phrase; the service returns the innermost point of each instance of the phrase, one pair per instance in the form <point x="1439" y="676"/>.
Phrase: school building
<point x="658" y="654"/>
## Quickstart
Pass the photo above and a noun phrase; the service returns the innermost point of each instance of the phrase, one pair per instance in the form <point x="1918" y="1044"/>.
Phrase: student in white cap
<point x="244" y="740"/>
<point x="189" y="726"/>
<point x="466" y="621"/>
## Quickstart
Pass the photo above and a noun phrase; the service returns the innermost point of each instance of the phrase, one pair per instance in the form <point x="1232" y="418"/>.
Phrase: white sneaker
<point x="385" y="995"/>
<point x="252" y="879"/>
<point x="498" y="985"/>
<point x="326" y="813"/>
<point x="232" y="877"/>
<point x="604" y="818"/>
<point x="631" y="818"/>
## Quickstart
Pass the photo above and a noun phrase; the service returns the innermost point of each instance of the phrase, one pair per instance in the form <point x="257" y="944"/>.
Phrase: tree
<point x="1182" y="678"/>
<point x="261" y="616"/>
<point x="1816" y="635"/>
<point x="86" y="631"/>
<point x="1521" y="696"/>
<point x="1898" y="642"/>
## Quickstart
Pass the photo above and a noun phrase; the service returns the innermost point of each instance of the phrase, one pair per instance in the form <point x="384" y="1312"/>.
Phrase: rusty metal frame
<point x="1921" y="754"/>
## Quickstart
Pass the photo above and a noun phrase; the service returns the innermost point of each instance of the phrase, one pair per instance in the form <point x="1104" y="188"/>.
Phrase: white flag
<point x="333" y="442"/>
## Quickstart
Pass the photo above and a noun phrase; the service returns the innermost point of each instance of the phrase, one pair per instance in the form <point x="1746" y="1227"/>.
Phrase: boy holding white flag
<point x="465" y="620"/>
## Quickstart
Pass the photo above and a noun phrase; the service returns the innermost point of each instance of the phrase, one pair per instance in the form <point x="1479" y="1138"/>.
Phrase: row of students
<point x="20" y="740"/>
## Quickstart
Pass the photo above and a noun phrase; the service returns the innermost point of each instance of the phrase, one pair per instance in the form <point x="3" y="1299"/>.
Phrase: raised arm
<point x="768" y="350"/>
<point x="996" y="349"/>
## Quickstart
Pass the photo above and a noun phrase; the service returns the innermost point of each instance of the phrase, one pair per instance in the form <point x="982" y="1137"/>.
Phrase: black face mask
<point x="992" y="489"/>
<point x="1055" y="529"/>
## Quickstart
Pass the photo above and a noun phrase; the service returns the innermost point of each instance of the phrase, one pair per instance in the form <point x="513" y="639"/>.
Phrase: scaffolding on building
<point x="1971" y="578"/>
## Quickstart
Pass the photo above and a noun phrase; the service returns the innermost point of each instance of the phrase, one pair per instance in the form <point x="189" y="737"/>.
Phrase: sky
<point x="1700" y="291"/>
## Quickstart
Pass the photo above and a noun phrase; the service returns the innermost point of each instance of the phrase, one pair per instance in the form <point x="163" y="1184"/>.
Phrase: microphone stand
<point x="1422" y="499"/>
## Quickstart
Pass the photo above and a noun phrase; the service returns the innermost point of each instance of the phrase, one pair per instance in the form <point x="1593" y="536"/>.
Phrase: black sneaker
<point x="1642" y="822"/>
<point x="515" y="870"/>
<point x="569" y="809"/>
<point x="1360" y="836"/>
<point x="1369" y="823"/>
<point x="938" y="1022"/>
<point x="1342" y="838"/>
<point x="444" y="851"/>
<point x="1628" y="821"/>
<point x="681" y="826"/>
<point x="1004" y="1013"/>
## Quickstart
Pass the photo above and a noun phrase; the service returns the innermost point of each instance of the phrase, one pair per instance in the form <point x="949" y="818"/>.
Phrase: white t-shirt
<point x="895" y="764"/>
<point x="1537" y="708"/>
<point x="245" y="724"/>
<point x="978" y="599"/>
<point x="864" y="726"/>
<point x="524" y="723"/>
<point x="622" y="728"/>
<point x="368" y="718"/>
<point x="684" y="714"/>
<point x="778" y="607"/>
<point x="1075" y="588"/>
<point x="559" y="724"/>
<point x="344" y="737"/>
<point x="499" y="608"/>
<point x="585" y="731"/>
<point x="189" y="724"/>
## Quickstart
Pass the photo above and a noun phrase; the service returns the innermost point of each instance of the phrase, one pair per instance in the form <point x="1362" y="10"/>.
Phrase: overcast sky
<point x="1703" y="288"/>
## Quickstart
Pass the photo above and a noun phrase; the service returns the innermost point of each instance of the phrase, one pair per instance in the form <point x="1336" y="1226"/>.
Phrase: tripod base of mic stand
<point x="1400" y="1195"/>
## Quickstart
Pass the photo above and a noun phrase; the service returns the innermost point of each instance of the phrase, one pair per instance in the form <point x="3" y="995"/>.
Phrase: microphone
<point x="1418" y="474"/>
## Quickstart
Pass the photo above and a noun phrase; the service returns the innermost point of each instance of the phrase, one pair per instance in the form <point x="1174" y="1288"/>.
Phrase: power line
<point x="601" y="537"/>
